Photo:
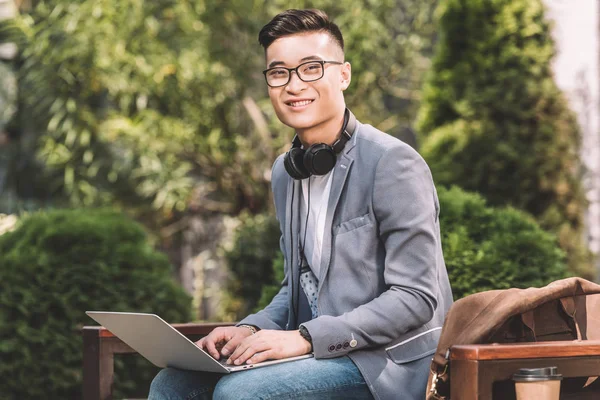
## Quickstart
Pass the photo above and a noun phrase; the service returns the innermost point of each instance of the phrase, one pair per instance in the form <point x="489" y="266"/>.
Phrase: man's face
<point x="305" y="105"/>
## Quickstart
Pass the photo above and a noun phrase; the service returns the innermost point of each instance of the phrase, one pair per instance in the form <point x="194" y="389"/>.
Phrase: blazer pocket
<point x="352" y="224"/>
<point x="421" y="345"/>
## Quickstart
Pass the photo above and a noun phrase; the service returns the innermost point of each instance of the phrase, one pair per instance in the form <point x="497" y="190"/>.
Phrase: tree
<point x="494" y="121"/>
<point x="164" y="105"/>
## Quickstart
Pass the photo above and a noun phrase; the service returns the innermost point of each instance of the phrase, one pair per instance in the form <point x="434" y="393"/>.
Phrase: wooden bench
<point x="484" y="372"/>
<point x="100" y="346"/>
<point x="478" y="371"/>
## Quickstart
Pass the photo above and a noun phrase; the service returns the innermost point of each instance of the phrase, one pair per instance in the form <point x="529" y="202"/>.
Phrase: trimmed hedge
<point x="489" y="248"/>
<point x="485" y="248"/>
<point x="255" y="246"/>
<point x="493" y="121"/>
<point x="54" y="267"/>
<point x="270" y="289"/>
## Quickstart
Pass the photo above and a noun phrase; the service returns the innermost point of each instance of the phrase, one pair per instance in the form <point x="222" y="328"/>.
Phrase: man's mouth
<point x="299" y="103"/>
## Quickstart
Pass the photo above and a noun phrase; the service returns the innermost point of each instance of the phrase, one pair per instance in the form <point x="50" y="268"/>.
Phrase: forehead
<point x="290" y="50"/>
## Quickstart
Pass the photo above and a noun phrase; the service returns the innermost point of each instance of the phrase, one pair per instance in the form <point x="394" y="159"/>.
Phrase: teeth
<point x="300" y="103"/>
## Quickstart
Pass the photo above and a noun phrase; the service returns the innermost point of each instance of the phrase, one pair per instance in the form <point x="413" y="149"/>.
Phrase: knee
<point x="163" y="384"/>
<point x="171" y="384"/>
<point x="234" y="386"/>
<point x="254" y="384"/>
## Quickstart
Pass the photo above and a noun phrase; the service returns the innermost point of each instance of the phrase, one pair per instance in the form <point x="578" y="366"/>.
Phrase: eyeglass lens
<point x="307" y="72"/>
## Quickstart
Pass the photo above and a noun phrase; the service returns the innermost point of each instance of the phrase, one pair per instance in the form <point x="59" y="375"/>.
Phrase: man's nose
<point x="295" y="84"/>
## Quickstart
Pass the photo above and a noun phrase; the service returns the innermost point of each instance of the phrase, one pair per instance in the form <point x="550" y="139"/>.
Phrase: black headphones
<point x="319" y="158"/>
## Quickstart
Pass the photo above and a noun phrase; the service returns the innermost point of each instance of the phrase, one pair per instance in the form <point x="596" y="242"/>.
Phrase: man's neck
<point x="327" y="132"/>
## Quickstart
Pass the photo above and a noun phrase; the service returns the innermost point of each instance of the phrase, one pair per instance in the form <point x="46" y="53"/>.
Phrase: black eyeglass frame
<point x="290" y="70"/>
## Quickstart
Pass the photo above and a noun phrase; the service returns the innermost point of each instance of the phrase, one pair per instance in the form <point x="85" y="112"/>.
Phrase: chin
<point x="298" y="121"/>
<point x="295" y="124"/>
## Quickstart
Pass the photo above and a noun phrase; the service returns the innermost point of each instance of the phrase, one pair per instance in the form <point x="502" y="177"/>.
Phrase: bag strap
<point x="439" y="385"/>
<point x="435" y="386"/>
<point x="529" y="321"/>
<point x="569" y="307"/>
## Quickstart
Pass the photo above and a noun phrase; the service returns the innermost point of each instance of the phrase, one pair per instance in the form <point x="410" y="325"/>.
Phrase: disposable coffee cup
<point x="537" y="383"/>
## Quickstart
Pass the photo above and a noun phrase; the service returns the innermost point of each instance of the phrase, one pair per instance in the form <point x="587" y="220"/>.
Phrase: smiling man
<point x="366" y="288"/>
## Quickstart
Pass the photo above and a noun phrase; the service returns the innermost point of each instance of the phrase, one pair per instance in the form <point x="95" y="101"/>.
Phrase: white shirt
<point x="320" y="187"/>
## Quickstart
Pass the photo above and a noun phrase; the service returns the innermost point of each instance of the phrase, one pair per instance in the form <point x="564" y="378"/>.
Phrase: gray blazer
<point x="383" y="286"/>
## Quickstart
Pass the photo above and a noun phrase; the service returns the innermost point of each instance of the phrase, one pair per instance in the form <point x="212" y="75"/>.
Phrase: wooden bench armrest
<point x="575" y="348"/>
<point x="100" y="345"/>
<point x="476" y="368"/>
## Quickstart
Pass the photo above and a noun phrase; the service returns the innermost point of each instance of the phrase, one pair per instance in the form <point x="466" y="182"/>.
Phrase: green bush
<point x="250" y="262"/>
<point x="270" y="289"/>
<point x="489" y="248"/>
<point x="494" y="121"/>
<point x="54" y="267"/>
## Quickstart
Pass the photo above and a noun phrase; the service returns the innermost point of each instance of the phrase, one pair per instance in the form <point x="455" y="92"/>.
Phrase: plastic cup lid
<point x="537" y="374"/>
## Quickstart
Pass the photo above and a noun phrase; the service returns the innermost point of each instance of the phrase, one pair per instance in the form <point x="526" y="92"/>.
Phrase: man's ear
<point x="345" y="76"/>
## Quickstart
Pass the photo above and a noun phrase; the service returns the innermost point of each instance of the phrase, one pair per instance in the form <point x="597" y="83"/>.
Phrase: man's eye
<point x="311" y="68"/>
<point x="277" y="72"/>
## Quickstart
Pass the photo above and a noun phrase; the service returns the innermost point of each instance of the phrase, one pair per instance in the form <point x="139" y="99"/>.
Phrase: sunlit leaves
<point x="162" y="103"/>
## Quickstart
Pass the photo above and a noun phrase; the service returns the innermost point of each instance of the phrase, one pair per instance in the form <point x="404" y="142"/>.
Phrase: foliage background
<point x="55" y="266"/>
<point x="493" y="120"/>
<point x="488" y="248"/>
<point x="158" y="109"/>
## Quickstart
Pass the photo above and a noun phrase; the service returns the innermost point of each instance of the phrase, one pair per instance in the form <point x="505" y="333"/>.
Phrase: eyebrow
<point x="309" y="58"/>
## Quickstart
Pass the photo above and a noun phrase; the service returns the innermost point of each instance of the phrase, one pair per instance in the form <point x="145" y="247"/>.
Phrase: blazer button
<point x="353" y="343"/>
<point x="339" y="346"/>
<point x="346" y="345"/>
<point x="331" y="348"/>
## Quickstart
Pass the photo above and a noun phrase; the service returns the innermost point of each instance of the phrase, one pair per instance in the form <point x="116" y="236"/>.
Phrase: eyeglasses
<point x="308" y="72"/>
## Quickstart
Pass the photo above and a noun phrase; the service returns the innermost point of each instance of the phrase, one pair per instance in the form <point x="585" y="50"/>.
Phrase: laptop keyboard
<point x="223" y="361"/>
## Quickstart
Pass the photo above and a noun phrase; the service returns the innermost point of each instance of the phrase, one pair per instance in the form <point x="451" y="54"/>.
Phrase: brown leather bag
<point x="567" y="309"/>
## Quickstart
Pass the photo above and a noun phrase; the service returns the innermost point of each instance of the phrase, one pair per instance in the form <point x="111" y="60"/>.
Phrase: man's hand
<point x="223" y="339"/>
<point x="269" y="345"/>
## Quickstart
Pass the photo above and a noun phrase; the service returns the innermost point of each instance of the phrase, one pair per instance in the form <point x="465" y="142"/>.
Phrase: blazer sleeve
<point x="406" y="210"/>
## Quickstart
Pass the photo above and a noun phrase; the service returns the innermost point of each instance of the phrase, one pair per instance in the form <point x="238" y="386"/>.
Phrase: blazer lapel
<point x="291" y="240"/>
<point x="287" y="235"/>
<point x="340" y="174"/>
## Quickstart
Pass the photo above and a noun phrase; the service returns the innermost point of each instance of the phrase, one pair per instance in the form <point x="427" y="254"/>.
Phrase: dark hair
<point x="298" y="21"/>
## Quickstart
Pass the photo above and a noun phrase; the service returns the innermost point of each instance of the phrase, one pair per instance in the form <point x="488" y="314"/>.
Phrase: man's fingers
<point x="243" y="355"/>
<point x="232" y="345"/>
<point x="212" y="349"/>
<point x="222" y="341"/>
<point x="236" y="346"/>
<point x="260" y="357"/>
<point x="215" y="339"/>
<point x="247" y="349"/>
<point x="233" y="342"/>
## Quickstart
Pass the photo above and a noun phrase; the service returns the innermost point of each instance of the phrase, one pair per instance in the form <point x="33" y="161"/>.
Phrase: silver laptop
<point x="164" y="346"/>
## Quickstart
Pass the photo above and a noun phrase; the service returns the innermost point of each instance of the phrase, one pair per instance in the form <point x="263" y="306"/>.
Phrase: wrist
<point x="305" y="334"/>
<point x="253" y="329"/>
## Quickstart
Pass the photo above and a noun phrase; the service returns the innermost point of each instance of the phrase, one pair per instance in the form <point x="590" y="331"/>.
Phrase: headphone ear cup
<point x="293" y="161"/>
<point x="319" y="159"/>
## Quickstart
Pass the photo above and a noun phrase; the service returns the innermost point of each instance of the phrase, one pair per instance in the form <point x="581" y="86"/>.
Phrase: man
<point x="366" y="289"/>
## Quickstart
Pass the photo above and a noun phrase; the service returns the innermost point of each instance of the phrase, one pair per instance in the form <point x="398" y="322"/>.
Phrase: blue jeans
<point x="336" y="378"/>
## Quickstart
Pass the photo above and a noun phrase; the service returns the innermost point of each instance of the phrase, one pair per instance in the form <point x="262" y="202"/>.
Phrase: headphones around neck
<point x="319" y="158"/>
